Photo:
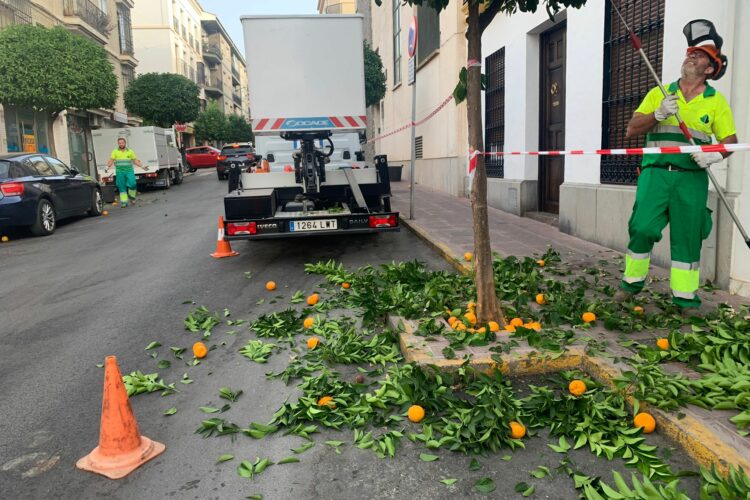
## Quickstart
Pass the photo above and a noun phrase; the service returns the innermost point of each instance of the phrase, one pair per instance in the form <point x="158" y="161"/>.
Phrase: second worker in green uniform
<point x="673" y="188"/>
<point x="123" y="159"/>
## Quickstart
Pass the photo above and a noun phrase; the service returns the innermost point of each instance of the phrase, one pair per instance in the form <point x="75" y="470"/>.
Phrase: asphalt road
<point x="111" y="285"/>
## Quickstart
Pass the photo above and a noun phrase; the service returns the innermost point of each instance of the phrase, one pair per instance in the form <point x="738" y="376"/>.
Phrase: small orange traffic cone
<point x="121" y="448"/>
<point x="223" y="248"/>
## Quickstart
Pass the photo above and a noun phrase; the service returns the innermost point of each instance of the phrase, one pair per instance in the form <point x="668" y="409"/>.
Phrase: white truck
<point x="155" y="147"/>
<point x="306" y="80"/>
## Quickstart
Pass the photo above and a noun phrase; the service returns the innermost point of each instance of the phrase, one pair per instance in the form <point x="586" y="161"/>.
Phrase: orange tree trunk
<point x="488" y="308"/>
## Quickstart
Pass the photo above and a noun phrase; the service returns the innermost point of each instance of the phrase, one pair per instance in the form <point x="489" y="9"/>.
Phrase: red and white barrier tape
<point x="414" y="124"/>
<point x="710" y="148"/>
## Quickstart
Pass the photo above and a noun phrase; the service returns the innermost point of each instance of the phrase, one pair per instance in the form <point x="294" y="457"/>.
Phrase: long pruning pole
<point x="636" y="42"/>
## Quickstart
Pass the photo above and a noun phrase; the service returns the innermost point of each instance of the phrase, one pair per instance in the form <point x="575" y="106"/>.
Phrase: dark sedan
<point x="37" y="190"/>
<point x="237" y="155"/>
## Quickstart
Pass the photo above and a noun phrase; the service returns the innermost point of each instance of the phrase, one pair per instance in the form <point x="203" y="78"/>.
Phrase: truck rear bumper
<point x="258" y="229"/>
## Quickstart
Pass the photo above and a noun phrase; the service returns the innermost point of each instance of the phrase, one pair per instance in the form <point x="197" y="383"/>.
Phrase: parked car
<point x="201" y="157"/>
<point x="239" y="154"/>
<point x="37" y="190"/>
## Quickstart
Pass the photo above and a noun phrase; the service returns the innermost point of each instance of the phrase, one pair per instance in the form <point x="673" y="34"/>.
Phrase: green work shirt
<point x="123" y="159"/>
<point x="706" y="115"/>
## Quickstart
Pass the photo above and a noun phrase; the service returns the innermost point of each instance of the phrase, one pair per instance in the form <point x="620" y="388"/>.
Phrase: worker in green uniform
<point x="673" y="188"/>
<point x="123" y="159"/>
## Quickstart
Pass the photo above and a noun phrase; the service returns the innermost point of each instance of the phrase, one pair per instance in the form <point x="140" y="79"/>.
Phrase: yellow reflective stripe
<point x="684" y="281"/>
<point x="636" y="269"/>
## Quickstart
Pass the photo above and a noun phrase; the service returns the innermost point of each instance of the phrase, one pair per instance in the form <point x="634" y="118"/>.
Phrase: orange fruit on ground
<point x="312" y="342"/>
<point x="517" y="429"/>
<point x="516" y="322"/>
<point x="459" y="326"/>
<point x="104" y="212"/>
<point x="663" y="344"/>
<point x="308" y="323"/>
<point x="482" y="330"/>
<point x="327" y="401"/>
<point x="471" y="318"/>
<point x="270" y="285"/>
<point x="200" y="350"/>
<point x="638" y="310"/>
<point x="468" y="256"/>
<point x="577" y="387"/>
<point x="540" y="263"/>
<point x="313" y="299"/>
<point x="452" y="320"/>
<point x="540" y="299"/>
<point x="588" y="317"/>
<point x="534" y="325"/>
<point x="415" y="413"/>
<point x="471" y="306"/>
<point x="646" y="421"/>
<point x="346" y="286"/>
<point x="510" y="328"/>
<point x="494" y="326"/>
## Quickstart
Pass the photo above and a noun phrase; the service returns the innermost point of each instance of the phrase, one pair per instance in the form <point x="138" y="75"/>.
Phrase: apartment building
<point x="441" y="143"/>
<point x="574" y="84"/>
<point x="106" y="22"/>
<point x="225" y="69"/>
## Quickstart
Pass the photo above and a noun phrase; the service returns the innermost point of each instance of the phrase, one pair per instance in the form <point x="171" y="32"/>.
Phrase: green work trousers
<point x="677" y="197"/>
<point x="126" y="185"/>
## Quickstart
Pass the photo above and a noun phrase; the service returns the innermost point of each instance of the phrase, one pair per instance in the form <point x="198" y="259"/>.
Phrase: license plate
<point x="312" y="225"/>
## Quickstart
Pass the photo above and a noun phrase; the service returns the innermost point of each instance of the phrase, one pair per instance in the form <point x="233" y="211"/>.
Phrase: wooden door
<point x="552" y="119"/>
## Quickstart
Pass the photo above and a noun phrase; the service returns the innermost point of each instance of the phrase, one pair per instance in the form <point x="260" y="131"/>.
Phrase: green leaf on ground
<point x="164" y="363"/>
<point x="449" y="481"/>
<point x="425" y="457"/>
<point x="288" y="460"/>
<point x="177" y="351"/>
<point x="170" y="411"/>
<point x="540" y="472"/>
<point x="226" y="313"/>
<point x="298" y="297"/>
<point x="248" y="274"/>
<point x="563" y="447"/>
<point x="474" y="464"/>
<point x="304" y="447"/>
<point x="507" y="458"/>
<point x="260" y="301"/>
<point x="485" y="485"/>
<point x="227" y="393"/>
<point x="224" y="458"/>
<point x="153" y="345"/>
<point x="209" y="409"/>
<point x="185" y="379"/>
<point x="336" y="445"/>
<point x="521" y="487"/>
<point x="255" y="497"/>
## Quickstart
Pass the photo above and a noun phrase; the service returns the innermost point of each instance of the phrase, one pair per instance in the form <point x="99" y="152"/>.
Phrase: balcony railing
<point x="211" y="49"/>
<point x="16" y="12"/>
<point x="214" y="84"/>
<point x="89" y="13"/>
<point x="237" y="99"/>
<point x="235" y="73"/>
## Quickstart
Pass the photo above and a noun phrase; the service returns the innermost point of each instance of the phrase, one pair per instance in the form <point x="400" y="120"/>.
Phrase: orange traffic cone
<point x="121" y="448"/>
<point x="223" y="248"/>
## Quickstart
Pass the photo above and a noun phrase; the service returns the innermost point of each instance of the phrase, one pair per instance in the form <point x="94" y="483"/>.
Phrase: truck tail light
<point x="221" y="157"/>
<point x="12" y="188"/>
<point x="152" y="176"/>
<point x="383" y="221"/>
<point x="235" y="228"/>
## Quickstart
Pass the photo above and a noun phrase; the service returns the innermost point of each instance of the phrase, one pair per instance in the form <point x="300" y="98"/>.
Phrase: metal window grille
<point x="494" y="112"/>
<point x="128" y="75"/>
<point x="418" y="147"/>
<point x="627" y="80"/>
<point x="428" y="27"/>
<point x="14" y="12"/>
<point x="88" y="12"/>
<point x="124" y="29"/>
<point x="396" y="42"/>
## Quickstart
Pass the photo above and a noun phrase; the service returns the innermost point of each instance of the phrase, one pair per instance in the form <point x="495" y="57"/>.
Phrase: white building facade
<point x="574" y="84"/>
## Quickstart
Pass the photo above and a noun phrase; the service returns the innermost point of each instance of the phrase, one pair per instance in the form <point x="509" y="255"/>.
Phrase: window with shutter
<point x="494" y="111"/>
<point x="627" y="80"/>
<point x="428" y="32"/>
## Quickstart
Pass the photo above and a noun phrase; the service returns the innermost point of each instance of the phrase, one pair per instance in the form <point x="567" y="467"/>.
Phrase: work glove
<point x="667" y="108"/>
<point x="705" y="160"/>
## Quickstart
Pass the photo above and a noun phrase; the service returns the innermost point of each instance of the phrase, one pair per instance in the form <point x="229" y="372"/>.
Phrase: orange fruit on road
<point x="346" y="286"/>
<point x="534" y="325"/>
<point x="415" y="413"/>
<point x="468" y="256"/>
<point x="471" y="318"/>
<point x="494" y="326"/>
<point x="510" y="328"/>
<point x="105" y="213"/>
<point x="588" y="317"/>
<point x="646" y="421"/>
<point x="663" y="344"/>
<point x="308" y="323"/>
<point x="313" y="299"/>
<point x="540" y="263"/>
<point x="452" y="321"/>
<point x="270" y="285"/>
<point x="459" y="326"/>
<point x="481" y="330"/>
<point x="540" y="299"/>
<point x="312" y="342"/>
<point x="327" y="401"/>
<point x="517" y="429"/>
<point x="200" y="350"/>
<point x="577" y="387"/>
<point x="638" y="310"/>
<point x="516" y="322"/>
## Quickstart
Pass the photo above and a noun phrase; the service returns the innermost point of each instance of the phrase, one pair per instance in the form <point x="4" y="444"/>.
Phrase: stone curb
<point x="692" y="433"/>
<point x="441" y="248"/>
